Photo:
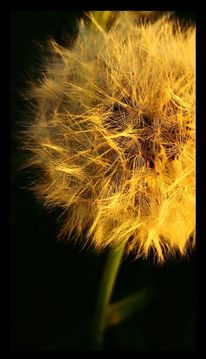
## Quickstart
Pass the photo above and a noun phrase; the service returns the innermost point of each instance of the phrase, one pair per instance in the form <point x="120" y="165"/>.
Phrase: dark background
<point x="53" y="284"/>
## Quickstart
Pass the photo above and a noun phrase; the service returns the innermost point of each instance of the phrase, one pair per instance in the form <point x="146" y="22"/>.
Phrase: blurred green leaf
<point x="124" y="308"/>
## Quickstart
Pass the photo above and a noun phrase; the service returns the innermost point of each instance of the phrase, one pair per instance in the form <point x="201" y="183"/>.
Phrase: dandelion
<point x="114" y="135"/>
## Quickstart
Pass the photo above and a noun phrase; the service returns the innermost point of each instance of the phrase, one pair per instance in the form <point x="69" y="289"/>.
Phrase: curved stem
<point x="105" y="291"/>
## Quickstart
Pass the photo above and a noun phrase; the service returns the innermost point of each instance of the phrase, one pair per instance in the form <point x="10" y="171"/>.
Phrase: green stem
<point x="105" y="292"/>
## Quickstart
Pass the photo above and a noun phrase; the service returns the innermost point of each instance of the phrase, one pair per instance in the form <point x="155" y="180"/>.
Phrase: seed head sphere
<point x="113" y="135"/>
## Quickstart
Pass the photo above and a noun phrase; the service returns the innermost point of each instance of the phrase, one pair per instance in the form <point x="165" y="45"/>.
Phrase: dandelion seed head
<point x="114" y="135"/>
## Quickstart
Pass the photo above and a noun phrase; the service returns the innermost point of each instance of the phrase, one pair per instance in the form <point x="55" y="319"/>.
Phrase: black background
<point x="53" y="284"/>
